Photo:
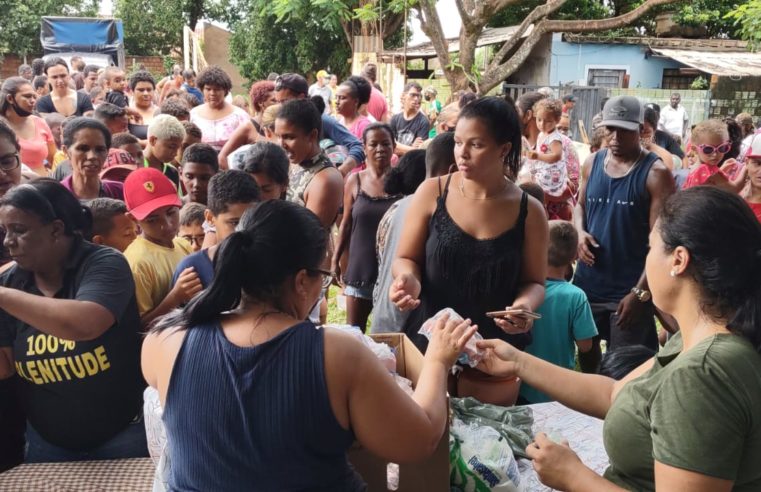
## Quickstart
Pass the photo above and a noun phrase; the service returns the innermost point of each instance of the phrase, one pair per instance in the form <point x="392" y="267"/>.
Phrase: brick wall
<point x="9" y="65"/>
<point x="155" y="64"/>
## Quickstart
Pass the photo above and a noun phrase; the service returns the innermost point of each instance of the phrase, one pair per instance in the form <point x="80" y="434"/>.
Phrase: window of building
<point x="606" y="77"/>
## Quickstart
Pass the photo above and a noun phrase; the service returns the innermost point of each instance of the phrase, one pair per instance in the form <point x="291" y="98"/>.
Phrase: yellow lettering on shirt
<point x="57" y="369"/>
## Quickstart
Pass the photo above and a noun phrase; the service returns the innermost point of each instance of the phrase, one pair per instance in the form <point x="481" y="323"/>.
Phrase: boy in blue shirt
<point x="566" y="315"/>
<point x="230" y="194"/>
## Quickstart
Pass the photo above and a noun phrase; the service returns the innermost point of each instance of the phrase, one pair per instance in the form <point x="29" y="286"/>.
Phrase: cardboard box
<point x="431" y="475"/>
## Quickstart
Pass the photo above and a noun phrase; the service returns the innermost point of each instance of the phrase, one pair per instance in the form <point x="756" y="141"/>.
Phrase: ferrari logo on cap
<point x="149" y="187"/>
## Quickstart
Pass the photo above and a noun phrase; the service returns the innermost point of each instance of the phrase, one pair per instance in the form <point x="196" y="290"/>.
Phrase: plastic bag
<point x="513" y="423"/>
<point x="480" y="460"/>
<point x="383" y="352"/>
<point x="471" y="355"/>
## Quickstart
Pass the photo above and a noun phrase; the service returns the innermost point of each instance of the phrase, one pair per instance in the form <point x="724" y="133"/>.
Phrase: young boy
<point x="566" y="315"/>
<point x="116" y="82"/>
<point x="193" y="135"/>
<point x="191" y="224"/>
<point x="230" y="194"/>
<point x="130" y="143"/>
<point x="165" y="137"/>
<point x="111" y="226"/>
<point x="199" y="164"/>
<point x="113" y="116"/>
<point x="153" y="202"/>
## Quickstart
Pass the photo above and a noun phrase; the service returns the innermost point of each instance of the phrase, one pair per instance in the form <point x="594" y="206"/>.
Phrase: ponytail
<point x="224" y="293"/>
<point x="275" y="240"/>
<point x="747" y="319"/>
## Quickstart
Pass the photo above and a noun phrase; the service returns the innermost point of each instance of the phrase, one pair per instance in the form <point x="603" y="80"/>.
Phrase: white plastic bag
<point x="471" y="355"/>
<point x="480" y="459"/>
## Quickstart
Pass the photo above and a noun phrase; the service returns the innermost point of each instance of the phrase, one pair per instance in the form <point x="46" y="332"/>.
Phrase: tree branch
<point x="465" y="15"/>
<point x="431" y="26"/>
<point x="539" y="12"/>
<point x="603" y="24"/>
<point x="503" y="70"/>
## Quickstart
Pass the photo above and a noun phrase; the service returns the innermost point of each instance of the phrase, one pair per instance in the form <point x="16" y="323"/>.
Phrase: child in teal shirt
<point x="566" y="315"/>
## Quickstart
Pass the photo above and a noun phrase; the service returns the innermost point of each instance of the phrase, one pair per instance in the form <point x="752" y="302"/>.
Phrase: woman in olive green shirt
<point x="690" y="418"/>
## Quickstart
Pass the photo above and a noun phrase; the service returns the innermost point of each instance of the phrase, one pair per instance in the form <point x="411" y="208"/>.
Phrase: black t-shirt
<point x="84" y="104"/>
<point x="665" y="140"/>
<point x="117" y="98"/>
<point x="406" y="131"/>
<point x="79" y="395"/>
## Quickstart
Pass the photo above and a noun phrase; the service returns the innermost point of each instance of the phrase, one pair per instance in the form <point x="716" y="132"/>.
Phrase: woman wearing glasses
<point x="270" y="396"/>
<point x="37" y="145"/>
<point x="69" y="329"/>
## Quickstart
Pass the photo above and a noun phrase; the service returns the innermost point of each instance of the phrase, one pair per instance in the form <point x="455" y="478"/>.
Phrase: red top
<point x="701" y="174"/>
<point x="756" y="207"/>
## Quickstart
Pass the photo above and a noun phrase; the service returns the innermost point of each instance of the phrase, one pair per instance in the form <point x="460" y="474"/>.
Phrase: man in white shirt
<point x="322" y="88"/>
<point x="674" y="118"/>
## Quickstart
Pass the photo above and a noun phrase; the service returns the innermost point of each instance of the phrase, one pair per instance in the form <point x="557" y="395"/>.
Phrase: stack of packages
<point x="484" y="439"/>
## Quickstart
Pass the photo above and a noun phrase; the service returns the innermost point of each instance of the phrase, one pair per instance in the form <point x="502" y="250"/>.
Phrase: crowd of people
<point x="165" y="234"/>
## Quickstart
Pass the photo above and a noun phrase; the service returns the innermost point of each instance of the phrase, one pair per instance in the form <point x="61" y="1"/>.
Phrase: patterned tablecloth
<point x="133" y="475"/>
<point x="136" y="475"/>
<point x="583" y="433"/>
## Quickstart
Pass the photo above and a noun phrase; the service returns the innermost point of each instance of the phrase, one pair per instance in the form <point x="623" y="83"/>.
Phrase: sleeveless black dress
<point x="472" y="276"/>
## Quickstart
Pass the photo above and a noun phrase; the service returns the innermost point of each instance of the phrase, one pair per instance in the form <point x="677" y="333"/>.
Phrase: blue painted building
<point x="625" y="62"/>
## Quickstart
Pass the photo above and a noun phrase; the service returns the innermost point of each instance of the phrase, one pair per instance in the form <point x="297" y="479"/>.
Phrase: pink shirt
<point x="217" y="132"/>
<point x="377" y="105"/>
<point x="34" y="153"/>
<point x="358" y="127"/>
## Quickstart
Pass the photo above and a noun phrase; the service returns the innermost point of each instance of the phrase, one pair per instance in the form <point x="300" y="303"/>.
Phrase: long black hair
<point x="502" y="122"/>
<point x="723" y="237"/>
<point x="10" y="87"/>
<point x="49" y="200"/>
<point x="276" y="240"/>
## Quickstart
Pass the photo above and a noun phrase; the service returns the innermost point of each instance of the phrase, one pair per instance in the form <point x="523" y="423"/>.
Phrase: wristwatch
<point x="641" y="294"/>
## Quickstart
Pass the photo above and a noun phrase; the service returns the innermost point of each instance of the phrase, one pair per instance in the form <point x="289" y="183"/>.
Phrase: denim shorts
<point x="359" y="292"/>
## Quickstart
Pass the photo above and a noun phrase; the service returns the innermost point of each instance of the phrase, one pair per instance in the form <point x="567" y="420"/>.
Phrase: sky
<point x="450" y="22"/>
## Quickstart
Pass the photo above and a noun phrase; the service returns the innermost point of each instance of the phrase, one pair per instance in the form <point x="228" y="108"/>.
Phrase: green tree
<point x="151" y="27"/>
<point x="261" y="45"/>
<point x="746" y="19"/>
<point x="20" y="21"/>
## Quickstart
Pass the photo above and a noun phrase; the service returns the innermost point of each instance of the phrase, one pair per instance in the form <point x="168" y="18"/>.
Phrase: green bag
<point x="513" y="423"/>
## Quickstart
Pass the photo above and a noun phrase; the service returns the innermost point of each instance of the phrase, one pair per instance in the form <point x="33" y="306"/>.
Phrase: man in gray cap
<point x="622" y="190"/>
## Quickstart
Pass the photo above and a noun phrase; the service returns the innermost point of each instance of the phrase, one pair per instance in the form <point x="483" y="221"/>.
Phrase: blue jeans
<point x="129" y="443"/>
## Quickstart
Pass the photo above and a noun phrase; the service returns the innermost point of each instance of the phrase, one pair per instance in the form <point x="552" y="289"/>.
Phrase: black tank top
<point x="472" y="276"/>
<point x="366" y="214"/>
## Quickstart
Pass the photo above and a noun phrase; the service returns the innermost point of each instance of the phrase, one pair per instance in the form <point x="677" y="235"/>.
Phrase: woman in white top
<point x="216" y="117"/>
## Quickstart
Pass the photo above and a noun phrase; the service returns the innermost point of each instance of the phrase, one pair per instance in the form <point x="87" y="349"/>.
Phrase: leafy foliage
<point x="747" y="20"/>
<point x="261" y="45"/>
<point x="573" y="9"/>
<point x="151" y="27"/>
<point x="20" y="21"/>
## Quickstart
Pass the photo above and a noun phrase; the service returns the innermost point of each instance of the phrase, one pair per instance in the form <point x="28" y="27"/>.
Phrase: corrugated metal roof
<point x="489" y="36"/>
<point x="721" y="63"/>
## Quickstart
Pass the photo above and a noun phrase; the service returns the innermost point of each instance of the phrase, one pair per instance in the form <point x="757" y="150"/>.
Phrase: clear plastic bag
<point x="471" y="355"/>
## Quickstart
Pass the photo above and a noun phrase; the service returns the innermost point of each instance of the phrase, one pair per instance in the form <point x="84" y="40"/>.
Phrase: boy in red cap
<point x="752" y="192"/>
<point x="153" y="202"/>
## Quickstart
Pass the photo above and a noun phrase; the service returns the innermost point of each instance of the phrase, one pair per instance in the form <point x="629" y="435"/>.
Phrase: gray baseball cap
<point x="623" y="112"/>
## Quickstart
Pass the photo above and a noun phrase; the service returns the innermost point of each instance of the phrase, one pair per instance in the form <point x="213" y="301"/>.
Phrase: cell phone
<point x="524" y="313"/>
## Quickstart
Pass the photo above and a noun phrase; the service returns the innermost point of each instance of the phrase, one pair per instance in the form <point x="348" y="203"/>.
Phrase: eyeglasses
<point x="327" y="277"/>
<point x="9" y="162"/>
<point x="195" y="240"/>
<point x="710" y="149"/>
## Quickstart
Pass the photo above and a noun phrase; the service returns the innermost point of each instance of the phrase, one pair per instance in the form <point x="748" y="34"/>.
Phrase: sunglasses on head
<point x="711" y="149"/>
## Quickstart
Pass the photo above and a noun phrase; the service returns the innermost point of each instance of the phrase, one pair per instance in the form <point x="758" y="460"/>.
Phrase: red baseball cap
<point x="147" y="189"/>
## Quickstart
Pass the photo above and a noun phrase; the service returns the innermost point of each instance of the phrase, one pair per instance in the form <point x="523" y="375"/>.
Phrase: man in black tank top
<point x="622" y="190"/>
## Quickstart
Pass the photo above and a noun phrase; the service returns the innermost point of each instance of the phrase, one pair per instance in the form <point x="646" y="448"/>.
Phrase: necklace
<point x="492" y="197"/>
<point x="607" y="161"/>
